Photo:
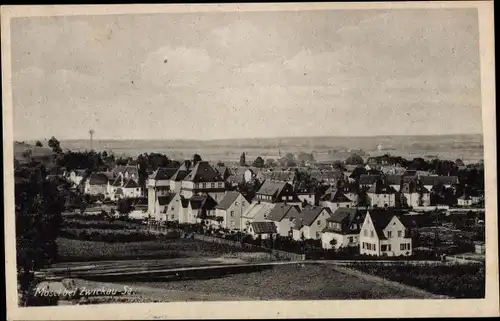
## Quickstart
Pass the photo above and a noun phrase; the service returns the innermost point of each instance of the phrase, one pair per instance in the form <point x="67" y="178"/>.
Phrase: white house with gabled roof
<point x="384" y="234"/>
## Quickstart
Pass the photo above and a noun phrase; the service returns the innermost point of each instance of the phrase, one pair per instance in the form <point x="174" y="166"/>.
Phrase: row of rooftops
<point x="201" y="172"/>
<point x="349" y="220"/>
<point x="367" y="179"/>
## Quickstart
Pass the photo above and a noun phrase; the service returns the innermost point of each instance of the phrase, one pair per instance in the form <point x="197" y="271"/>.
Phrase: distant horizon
<point x="247" y="138"/>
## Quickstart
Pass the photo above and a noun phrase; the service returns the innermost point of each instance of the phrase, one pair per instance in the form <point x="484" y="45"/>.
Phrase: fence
<point x="275" y="253"/>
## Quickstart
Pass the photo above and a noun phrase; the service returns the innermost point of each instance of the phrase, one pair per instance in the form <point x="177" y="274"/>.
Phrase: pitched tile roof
<point x="205" y="202"/>
<point x="381" y="188"/>
<point x="228" y="199"/>
<point x="236" y="178"/>
<point x="270" y="187"/>
<point x="165" y="199"/>
<point x="283" y="176"/>
<point x="281" y="211"/>
<point x="180" y="174"/>
<point x="350" y="215"/>
<point x="131" y="184"/>
<point x="310" y="213"/>
<point x="203" y="172"/>
<point x="163" y="173"/>
<point x="381" y="218"/>
<point x="336" y="197"/>
<point x="264" y="227"/>
<point x="117" y="182"/>
<point x="98" y="179"/>
<point x="184" y="201"/>
<point x="325" y="174"/>
<point x="127" y="168"/>
<point x="413" y="188"/>
<point x="434" y="180"/>
<point x="393" y="179"/>
<point x="258" y="209"/>
<point x="366" y="179"/>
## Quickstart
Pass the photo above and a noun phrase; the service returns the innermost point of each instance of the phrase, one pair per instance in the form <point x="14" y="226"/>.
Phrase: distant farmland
<point x="469" y="148"/>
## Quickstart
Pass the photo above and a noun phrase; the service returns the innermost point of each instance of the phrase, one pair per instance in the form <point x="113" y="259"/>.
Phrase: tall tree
<point x="242" y="160"/>
<point x="196" y="159"/>
<point x="258" y="162"/>
<point x="354" y="159"/>
<point x="38" y="208"/>
<point x="55" y="145"/>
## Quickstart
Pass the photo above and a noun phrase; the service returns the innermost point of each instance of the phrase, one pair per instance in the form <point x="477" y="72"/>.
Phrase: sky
<point x="247" y="74"/>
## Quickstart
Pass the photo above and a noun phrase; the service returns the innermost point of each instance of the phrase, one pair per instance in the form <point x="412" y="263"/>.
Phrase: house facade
<point x="158" y="185"/>
<point x="177" y="209"/>
<point x="311" y="222"/>
<point x="384" y="234"/>
<point x="283" y="216"/>
<point x="334" y="199"/>
<point x="342" y="229"/>
<point x="231" y="208"/>
<point x="203" y="179"/>
<point x="263" y="229"/>
<point x="96" y="183"/>
<point x="159" y="212"/>
<point x="416" y="195"/>
<point x="381" y="195"/>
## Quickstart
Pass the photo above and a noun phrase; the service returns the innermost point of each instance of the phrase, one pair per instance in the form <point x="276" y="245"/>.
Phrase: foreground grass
<point x="291" y="282"/>
<point x="71" y="250"/>
<point x="459" y="281"/>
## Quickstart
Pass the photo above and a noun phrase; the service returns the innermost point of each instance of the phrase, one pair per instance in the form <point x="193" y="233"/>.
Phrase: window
<point x="371" y="233"/>
<point x="203" y="185"/>
<point x="290" y="198"/>
<point x="137" y="189"/>
<point x="351" y="239"/>
<point x="232" y="213"/>
<point x="389" y="247"/>
<point x="317" y="234"/>
<point x="284" y="198"/>
<point x="389" y="234"/>
<point x="383" y="248"/>
<point x="400" y="233"/>
<point x="363" y="246"/>
<point x="319" y="222"/>
<point x="212" y="185"/>
<point x="404" y="246"/>
<point x="173" y="217"/>
<point x="365" y="232"/>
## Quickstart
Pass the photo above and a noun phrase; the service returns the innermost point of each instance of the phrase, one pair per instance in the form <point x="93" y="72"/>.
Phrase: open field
<point x="459" y="281"/>
<point x="291" y="282"/>
<point x="84" y="251"/>
<point x="466" y="147"/>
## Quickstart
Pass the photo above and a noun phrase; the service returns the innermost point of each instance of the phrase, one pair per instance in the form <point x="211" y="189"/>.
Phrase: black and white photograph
<point x="228" y="153"/>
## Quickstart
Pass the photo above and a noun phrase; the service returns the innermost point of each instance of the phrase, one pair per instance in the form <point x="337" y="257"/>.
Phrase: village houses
<point x="334" y="198"/>
<point x="263" y="229"/>
<point x="203" y="179"/>
<point x="269" y="194"/>
<point x="415" y="195"/>
<point x="231" y="208"/>
<point x="283" y="216"/>
<point x="342" y="228"/>
<point x="158" y="185"/>
<point x="311" y="222"/>
<point x="384" y="234"/>
<point x="381" y="194"/>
